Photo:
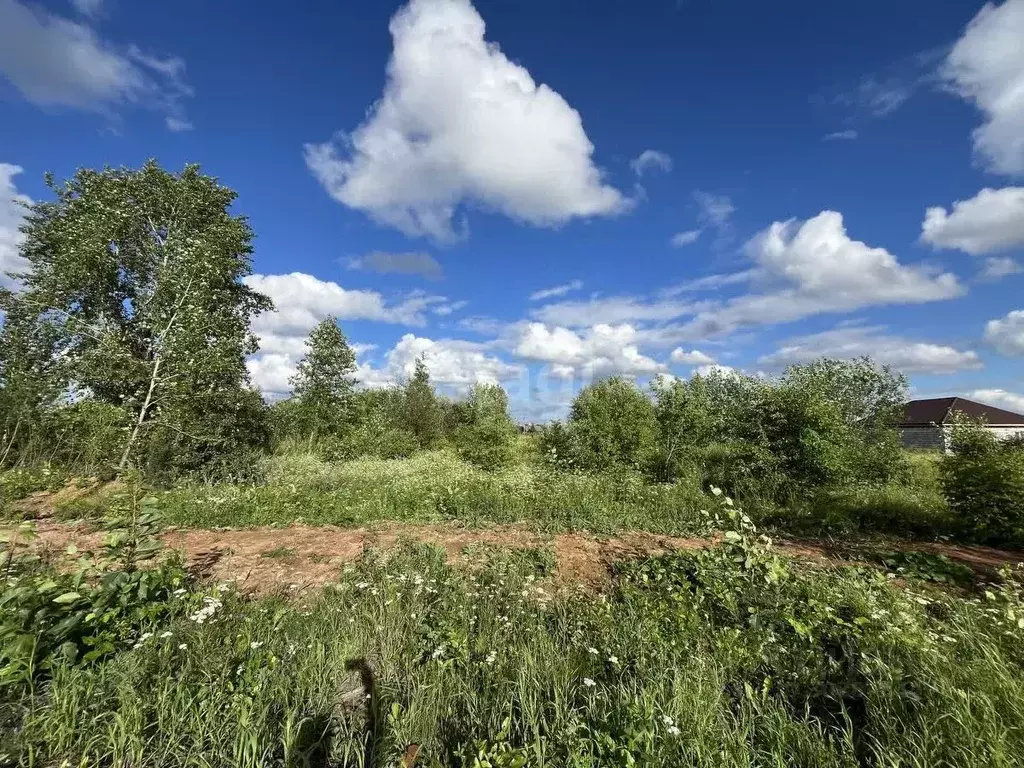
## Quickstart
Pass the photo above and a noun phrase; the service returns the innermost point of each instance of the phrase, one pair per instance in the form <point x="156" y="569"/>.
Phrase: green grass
<point x="695" y="660"/>
<point x="436" y="487"/>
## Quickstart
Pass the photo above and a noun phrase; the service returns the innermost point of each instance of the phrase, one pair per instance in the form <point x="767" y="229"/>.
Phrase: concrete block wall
<point x="937" y="438"/>
<point x="923" y="438"/>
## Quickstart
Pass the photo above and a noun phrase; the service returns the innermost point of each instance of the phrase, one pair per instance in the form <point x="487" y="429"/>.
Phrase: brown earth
<point x="300" y="557"/>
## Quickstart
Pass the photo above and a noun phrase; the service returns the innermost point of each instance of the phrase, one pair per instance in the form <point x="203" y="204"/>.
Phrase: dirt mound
<point x="42" y="505"/>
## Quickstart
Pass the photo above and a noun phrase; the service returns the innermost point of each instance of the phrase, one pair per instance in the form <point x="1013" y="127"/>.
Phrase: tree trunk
<point x="142" y="416"/>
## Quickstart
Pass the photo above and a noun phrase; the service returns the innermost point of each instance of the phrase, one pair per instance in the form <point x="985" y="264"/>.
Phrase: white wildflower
<point x="491" y="657"/>
<point x="165" y="635"/>
<point x="588" y="682"/>
<point x="592" y="650"/>
<point x="613" y="659"/>
<point x="674" y="730"/>
<point x="255" y="644"/>
<point x="716" y="490"/>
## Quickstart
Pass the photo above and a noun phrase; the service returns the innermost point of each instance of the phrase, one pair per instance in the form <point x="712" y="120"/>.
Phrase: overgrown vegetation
<point x="984" y="482"/>
<point x="730" y="656"/>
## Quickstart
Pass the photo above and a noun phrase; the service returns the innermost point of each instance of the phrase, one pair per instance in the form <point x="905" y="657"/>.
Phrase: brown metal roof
<point x="940" y="410"/>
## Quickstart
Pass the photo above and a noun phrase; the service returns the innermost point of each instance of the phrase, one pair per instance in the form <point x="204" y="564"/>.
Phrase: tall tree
<point x="421" y="411"/>
<point x="135" y="282"/>
<point x="324" y="381"/>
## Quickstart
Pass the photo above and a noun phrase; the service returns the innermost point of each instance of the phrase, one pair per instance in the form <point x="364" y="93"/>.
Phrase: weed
<point x="280" y="553"/>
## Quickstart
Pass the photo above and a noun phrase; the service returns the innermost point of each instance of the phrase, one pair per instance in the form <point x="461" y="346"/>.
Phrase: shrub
<point x="487" y="444"/>
<point x="612" y="424"/>
<point x="49" y="618"/>
<point x="744" y="470"/>
<point x="983" y="482"/>
<point x="488" y="439"/>
<point x="826" y="424"/>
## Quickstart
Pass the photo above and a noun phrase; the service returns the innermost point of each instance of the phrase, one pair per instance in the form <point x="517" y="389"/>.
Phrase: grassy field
<point x="732" y="656"/>
<point x="436" y="486"/>
<point x="729" y="657"/>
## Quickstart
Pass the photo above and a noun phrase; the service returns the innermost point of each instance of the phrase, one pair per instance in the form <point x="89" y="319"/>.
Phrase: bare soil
<point x="298" y="557"/>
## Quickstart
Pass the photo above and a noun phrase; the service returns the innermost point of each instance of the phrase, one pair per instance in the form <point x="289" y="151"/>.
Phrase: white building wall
<point x="937" y="438"/>
<point x="1005" y="433"/>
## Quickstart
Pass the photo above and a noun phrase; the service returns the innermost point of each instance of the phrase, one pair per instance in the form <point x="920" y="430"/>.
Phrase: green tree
<point x="613" y="424"/>
<point x="488" y="439"/>
<point x="421" y="413"/>
<point x="324" y="383"/>
<point x="863" y="403"/>
<point x="983" y="481"/>
<point x="136" y="289"/>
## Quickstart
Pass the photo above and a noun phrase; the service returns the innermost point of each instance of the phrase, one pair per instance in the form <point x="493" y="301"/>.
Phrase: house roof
<point x="940" y="410"/>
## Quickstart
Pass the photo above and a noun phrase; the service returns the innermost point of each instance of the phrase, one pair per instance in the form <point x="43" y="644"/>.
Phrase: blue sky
<point x="546" y="193"/>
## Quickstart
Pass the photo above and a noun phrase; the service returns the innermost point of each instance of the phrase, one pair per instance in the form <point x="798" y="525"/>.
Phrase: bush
<point x="488" y="439"/>
<point x="612" y="424"/>
<point x="746" y="471"/>
<point x="983" y="482"/>
<point x="487" y="444"/>
<point x="827" y="424"/>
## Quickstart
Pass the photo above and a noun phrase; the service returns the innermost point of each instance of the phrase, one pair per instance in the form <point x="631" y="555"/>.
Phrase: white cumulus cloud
<point x="54" y="61"/>
<point x="452" y="362"/>
<point x="991" y="221"/>
<point x="813" y="267"/>
<point x="1000" y="398"/>
<point x="1006" y="334"/>
<point x="685" y="238"/>
<point x="603" y="350"/>
<point x="714" y="369"/>
<point x="12" y="213"/>
<point x="986" y="67"/>
<point x="907" y="355"/>
<point x="460" y="123"/>
<point x="693" y="357"/>
<point x="998" y="267"/>
<point x="301" y="301"/>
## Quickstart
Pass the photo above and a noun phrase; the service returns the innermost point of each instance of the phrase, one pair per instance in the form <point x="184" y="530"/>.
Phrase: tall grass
<point x="436" y="486"/>
<point x="690" y="660"/>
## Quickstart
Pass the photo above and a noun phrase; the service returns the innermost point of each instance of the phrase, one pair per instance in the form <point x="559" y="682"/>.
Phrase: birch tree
<point x="137" y="275"/>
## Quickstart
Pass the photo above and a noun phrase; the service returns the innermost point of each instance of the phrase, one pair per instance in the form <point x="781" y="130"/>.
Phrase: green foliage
<point x="925" y="566"/>
<point x="380" y="430"/>
<point x="51" y="618"/>
<point x="324" y="382"/>
<point x="136" y="277"/>
<point x="732" y="656"/>
<point x="488" y="439"/>
<point x="828" y="424"/>
<point x="612" y="425"/>
<point x="421" y="412"/>
<point x="435" y="486"/>
<point x="983" y="481"/>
